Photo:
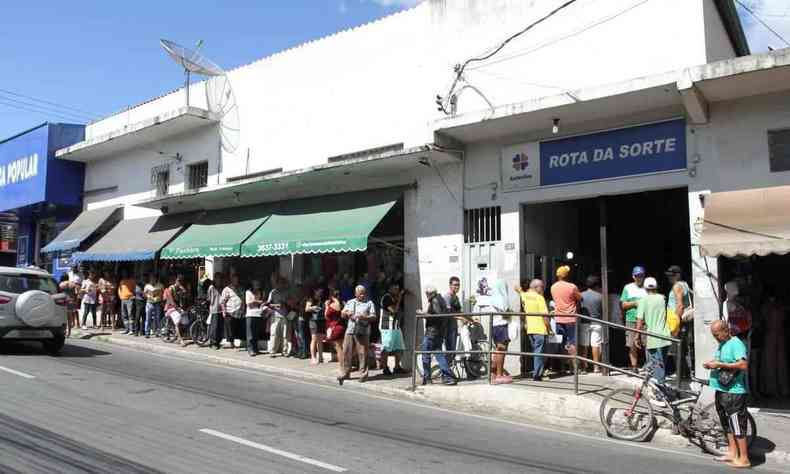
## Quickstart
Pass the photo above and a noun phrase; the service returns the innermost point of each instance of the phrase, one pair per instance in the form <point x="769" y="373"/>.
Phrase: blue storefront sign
<point x="42" y="191"/>
<point x="645" y="149"/>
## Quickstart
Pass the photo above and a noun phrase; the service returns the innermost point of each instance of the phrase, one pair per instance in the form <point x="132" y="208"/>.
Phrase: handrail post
<point x="576" y="357"/>
<point x="491" y="346"/>
<point x="679" y="363"/>
<point x="414" y="355"/>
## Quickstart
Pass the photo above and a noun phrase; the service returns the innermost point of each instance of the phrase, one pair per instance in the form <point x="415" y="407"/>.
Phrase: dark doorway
<point x="649" y="229"/>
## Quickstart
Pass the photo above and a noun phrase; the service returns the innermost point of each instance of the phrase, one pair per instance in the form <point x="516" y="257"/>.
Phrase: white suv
<point x="32" y="308"/>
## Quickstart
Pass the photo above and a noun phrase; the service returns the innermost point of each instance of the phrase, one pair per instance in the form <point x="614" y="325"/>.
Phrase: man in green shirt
<point x="730" y="360"/>
<point x="651" y="316"/>
<point x="629" y="300"/>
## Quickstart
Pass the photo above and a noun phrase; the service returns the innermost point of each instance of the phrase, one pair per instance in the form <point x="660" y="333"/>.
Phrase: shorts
<point x="591" y="335"/>
<point x="317" y="328"/>
<point x="501" y="335"/>
<point x="731" y="408"/>
<point x="179" y="318"/>
<point x="568" y="333"/>
<point x="631" y="337"/>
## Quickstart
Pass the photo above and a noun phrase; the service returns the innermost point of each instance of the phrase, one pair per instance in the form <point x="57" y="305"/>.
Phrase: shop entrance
<point x="763" y="290"/>
<point x="607" y="236"/>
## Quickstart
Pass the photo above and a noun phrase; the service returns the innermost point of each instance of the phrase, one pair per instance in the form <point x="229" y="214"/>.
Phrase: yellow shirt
<point x="534" y="303"/>
<point x="126" y="289"/>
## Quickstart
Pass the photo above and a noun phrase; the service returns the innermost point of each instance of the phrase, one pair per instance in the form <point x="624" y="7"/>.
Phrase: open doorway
<point x="648" y="229"/>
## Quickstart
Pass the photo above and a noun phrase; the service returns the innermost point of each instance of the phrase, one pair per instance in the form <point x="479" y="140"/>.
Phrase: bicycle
<point x="465" y="366"/>
<point x="631" y="410"/>
<point x="197" y="328"/>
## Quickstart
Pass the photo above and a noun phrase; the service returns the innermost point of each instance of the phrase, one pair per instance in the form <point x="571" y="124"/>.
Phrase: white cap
<point x="651" y="283"/>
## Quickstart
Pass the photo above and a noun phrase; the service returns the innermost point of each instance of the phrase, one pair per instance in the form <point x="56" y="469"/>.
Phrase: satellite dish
<point x="219" y="95"/>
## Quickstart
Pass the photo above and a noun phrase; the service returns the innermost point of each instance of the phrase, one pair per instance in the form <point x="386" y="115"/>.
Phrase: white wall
<point x="131" y="171"/>
<point x="375" y="85"/>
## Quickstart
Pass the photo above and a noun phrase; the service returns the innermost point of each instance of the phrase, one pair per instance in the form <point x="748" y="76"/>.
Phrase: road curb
<point x="286" y="372"/>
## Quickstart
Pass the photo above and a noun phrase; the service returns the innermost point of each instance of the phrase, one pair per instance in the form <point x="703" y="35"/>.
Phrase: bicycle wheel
<point x="626" y="417"/>
<point x="168" y="331"/>
<point x="199" y="333"/>
<point x="475" y="364"/>
<point x="711" y="435"/>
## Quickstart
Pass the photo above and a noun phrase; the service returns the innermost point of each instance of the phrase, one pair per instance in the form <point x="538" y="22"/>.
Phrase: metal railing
<point x="574" y="357"/>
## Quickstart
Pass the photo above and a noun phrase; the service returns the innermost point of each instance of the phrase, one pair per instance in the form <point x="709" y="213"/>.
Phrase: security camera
<point x="164" y="209"/>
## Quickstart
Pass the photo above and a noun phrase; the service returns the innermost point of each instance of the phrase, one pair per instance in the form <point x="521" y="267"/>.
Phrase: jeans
<point x="434" y="343"/>
<point x="139" y="316"/>
<point x="253" y="331"/>
<point x="656" y="358"/>
<point x="216" y="329"/>
<point x="300" y="340"/>
<point x="89" y="308"/>
<point x="451" y="338"/>
<point x="537" y="341"/>
<point x="153" y="313"/>
<point x="127" y="313"/>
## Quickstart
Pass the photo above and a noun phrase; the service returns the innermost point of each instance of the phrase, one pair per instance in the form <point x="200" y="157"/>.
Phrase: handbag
<point x="726" y="377"/>
<point x="333" y="333"/>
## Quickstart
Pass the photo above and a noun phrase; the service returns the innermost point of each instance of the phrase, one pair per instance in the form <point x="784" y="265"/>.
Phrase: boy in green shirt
<point x="651" y="316"/>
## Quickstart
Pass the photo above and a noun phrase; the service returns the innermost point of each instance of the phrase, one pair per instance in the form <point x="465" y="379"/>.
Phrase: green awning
<point x="340" y="223"/>
<point x="218" y="234"/>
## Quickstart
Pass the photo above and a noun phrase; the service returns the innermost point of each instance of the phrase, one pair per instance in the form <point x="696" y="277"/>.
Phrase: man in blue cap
<point x="629" y="300"/>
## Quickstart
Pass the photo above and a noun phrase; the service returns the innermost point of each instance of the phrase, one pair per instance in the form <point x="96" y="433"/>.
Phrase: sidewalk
<point x="550" y="403"/>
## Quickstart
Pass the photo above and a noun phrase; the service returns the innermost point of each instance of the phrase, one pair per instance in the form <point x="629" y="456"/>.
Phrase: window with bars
<point x="197" y="176"/>
<point x="779" y="150"/>
<point x="483" y="224"/>
<point x="160" y="178"/>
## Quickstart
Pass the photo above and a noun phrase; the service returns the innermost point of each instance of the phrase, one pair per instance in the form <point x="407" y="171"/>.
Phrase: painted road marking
<point x="278" y="452"/>
<point x="16" y="372"/>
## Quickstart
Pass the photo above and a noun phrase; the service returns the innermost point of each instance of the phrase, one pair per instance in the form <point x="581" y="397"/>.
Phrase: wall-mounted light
<point x="555" y="129"/>
<point x="569" y="255"/>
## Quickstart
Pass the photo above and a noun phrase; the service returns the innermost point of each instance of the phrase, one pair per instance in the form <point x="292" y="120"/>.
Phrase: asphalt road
<point x="100" y="408"/>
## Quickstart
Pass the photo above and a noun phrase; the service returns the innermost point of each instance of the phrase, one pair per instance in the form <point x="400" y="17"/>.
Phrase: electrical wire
<point x="459" y="69"/>
<point x="577" y="32"/>
<point x="40" y="112"/>
<point x="90" y="115"/>
<point x="43" y="108"/>
<point x="760" y="20"/>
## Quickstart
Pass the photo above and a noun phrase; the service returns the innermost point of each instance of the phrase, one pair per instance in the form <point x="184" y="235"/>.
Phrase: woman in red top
<point x="335" y="328"/>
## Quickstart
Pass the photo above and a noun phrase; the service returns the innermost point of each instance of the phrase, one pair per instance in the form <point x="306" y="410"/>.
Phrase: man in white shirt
<point x="278" y="303"/>
<point x="254" y="300"/>
<point x="89" y="292"/>
<point x="360" y="312"/>
<point x="232" y="309"/>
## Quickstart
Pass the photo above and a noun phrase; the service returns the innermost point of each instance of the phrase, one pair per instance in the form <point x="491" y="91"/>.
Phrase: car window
<point x="25" y="282"/>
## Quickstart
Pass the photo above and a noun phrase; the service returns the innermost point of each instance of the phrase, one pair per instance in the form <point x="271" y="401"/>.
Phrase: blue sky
<point x="100" y="56"/>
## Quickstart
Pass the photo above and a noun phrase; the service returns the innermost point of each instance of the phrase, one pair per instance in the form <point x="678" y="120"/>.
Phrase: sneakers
<point x="449" y="381"/>
<point x="386" y="371"/>
<point x="505" y="379"/>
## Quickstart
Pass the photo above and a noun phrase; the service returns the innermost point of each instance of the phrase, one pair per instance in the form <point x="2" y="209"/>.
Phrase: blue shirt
<point x="730" y="352"/>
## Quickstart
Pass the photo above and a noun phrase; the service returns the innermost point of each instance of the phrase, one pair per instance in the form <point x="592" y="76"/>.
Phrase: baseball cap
<point x="638" y="271"/>
<point x="651" y="283"/>
<point x="674" y="270"/>
<point x="563" y="271"/>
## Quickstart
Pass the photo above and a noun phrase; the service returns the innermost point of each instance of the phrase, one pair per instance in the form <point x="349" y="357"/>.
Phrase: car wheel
<point x="54" y="346"/>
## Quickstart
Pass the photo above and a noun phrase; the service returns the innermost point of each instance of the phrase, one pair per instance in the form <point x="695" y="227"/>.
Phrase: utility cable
<point x="40" y="112"/>
<point x="90" y="115"/>
<point x="459" y="69"/>
<point x="563" y="37"/>
<point x="760" y="20"/>
<point x="44" y="108"/>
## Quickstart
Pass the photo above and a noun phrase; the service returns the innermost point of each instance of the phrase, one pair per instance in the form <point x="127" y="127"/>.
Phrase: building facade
<point x="272" y="133"/>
